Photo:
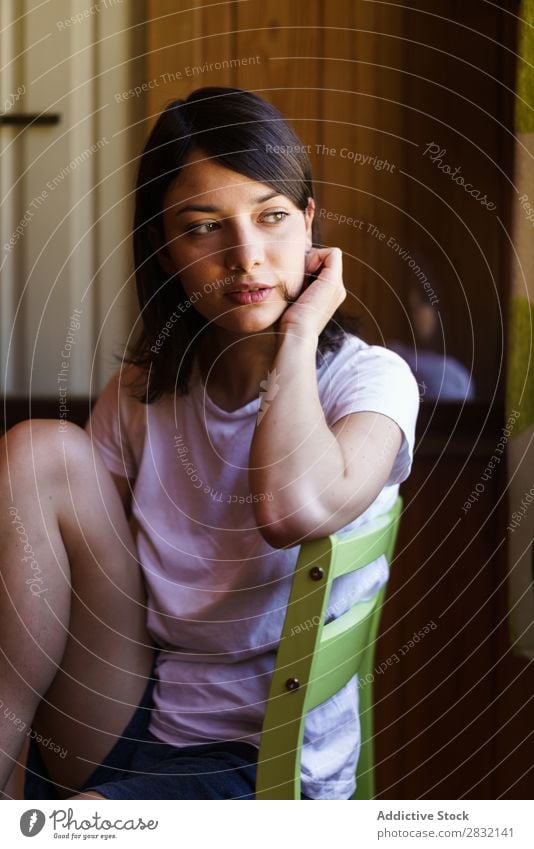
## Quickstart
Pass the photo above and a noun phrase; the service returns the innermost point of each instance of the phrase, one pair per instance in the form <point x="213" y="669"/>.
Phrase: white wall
<point x="68" y="188"/>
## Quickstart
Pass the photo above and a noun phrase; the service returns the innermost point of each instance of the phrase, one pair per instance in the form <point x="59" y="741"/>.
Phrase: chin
<point x="251" y="323"/>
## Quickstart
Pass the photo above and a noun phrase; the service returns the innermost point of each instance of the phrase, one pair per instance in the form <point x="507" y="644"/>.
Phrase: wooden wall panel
<point x="184" y="49"/>
<point x="456" y="96"/>
<point x="259" y="47"/>
<point x="453" y="715"/>
<point x="363" y="179"/>
<point x="283" y="35"/>
<point x="434" y="712"/>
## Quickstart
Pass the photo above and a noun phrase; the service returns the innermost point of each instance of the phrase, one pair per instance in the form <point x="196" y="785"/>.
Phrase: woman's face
<point x="224" y="231"/>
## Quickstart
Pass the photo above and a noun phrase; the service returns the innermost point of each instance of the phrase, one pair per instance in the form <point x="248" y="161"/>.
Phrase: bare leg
<point x="72" y="603"/>
<point x="14" y="788"/>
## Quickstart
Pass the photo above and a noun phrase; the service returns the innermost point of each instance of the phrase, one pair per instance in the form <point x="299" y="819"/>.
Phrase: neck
<point x="232" y="365"/>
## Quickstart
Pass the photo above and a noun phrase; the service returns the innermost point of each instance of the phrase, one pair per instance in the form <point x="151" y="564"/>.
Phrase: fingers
<point x="330" y="258"/>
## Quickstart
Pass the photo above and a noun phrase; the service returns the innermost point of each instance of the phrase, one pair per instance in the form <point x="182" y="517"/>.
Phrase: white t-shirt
<point x="217" y="591"/>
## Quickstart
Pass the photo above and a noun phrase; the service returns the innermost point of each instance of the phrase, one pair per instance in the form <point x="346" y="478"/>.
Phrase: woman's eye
<point x="197" y="228"/>
<point x="203" y="228"/>
<point x="278" y="212"/>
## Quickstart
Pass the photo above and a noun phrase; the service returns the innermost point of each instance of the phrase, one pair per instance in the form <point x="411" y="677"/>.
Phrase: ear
<point x="162" y="253"/>
<point x="309" y="213"/>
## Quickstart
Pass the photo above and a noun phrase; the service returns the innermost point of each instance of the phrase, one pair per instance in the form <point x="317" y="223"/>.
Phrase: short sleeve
<point x="109" y="427"/>
<point x="376" y="379"/>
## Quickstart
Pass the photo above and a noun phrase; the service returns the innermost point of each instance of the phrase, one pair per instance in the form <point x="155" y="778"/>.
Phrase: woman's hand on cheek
<point x="318" y="300"/>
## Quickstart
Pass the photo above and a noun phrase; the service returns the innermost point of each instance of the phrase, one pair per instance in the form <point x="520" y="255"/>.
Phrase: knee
<point x="43" y="447"/>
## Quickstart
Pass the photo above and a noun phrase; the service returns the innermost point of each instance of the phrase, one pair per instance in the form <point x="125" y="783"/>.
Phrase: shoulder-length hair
<point x="248" y="135"/>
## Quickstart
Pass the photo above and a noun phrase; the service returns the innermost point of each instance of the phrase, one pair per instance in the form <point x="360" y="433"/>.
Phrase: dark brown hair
<point x="241" y="131"/>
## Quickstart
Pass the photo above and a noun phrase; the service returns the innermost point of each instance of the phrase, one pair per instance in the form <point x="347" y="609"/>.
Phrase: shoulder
<point x="125" y="385"/>
<point x="357" y="356"/>
<point x="116" y="404"/>
<point x="361" y="377"/>
<point x="117" y="423"/>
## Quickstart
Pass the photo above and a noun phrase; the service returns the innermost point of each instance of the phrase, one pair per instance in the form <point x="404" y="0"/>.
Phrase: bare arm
<point x="320" y="478"/>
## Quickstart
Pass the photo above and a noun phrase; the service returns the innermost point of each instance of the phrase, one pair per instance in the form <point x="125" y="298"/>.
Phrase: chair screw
<point x="292" y="684"/>
<point x="317" y="573"/>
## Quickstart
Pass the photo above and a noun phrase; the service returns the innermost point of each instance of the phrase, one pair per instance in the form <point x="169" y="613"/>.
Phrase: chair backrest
<point x="315" y="660"/>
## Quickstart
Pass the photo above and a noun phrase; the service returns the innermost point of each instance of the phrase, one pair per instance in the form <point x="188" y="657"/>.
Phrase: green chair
<point x="315" y="661"/>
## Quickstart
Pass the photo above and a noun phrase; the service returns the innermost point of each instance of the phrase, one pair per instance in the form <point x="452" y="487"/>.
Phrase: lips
<point x="253" y="292"/>
<point x="249" y="296"/>
<point x="250" y="287"/>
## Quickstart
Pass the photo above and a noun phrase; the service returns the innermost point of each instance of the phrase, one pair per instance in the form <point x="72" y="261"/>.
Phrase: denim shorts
<point x="140" y="766"/>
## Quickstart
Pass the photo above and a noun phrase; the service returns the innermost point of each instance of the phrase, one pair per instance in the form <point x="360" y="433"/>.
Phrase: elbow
<point x="277" y="536"/>
<point x="286" y="532"/>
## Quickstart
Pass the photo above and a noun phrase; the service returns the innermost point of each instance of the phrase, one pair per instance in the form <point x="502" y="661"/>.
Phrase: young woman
<point x="248" y="418"/>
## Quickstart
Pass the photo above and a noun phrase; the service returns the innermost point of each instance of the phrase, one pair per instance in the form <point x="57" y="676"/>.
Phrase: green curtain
<point x="520" y="369"/>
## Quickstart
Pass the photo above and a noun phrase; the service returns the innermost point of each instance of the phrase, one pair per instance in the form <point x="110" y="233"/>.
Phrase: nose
<point x="245" y="250"/>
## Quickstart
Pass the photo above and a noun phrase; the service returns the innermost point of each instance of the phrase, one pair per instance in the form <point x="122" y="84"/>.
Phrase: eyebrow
<point x="207" y="208"/>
